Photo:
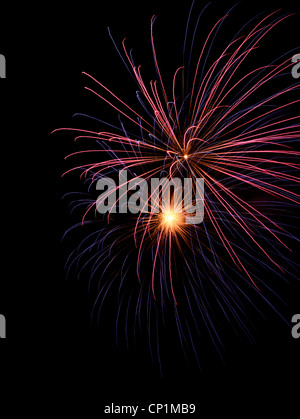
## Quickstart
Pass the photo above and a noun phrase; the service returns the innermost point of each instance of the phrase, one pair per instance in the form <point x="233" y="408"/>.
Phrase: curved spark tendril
<point x="209" y="126"/>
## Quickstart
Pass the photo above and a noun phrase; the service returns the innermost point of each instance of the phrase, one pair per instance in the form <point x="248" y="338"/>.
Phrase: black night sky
<point x="53" y="349"/>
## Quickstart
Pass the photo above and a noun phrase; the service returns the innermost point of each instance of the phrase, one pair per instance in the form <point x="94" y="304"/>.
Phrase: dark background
<point x="52" y="348"/>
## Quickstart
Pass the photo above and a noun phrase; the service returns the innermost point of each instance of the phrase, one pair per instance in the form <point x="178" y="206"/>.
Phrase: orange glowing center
<point x="171" y="220"/>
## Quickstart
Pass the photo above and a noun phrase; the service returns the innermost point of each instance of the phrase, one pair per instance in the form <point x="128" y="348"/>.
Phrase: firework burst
<point x="217" y="124"/>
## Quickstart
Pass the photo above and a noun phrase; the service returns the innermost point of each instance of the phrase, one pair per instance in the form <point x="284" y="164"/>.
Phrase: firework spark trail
<point x="211" y="132"/>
